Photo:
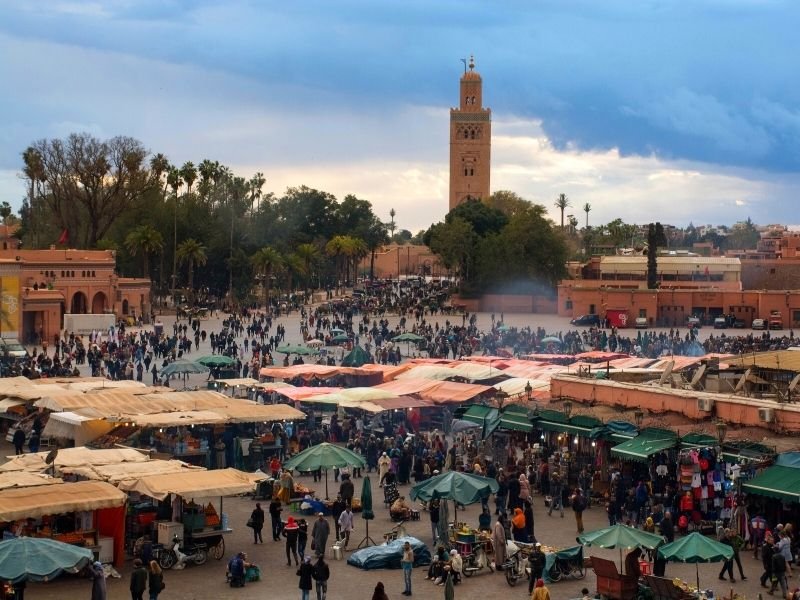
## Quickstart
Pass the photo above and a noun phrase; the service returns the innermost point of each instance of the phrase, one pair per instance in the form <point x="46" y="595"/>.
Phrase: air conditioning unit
<point x="766" y="415"/>
<point x="705" y="404"/>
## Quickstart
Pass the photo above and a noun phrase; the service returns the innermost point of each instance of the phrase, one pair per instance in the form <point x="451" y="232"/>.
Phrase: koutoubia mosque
<point x="470" y="141"/>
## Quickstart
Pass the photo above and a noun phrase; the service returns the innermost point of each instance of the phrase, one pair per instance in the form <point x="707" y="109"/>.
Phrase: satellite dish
<point x="665" y="376"/>
<point x="794" y="382"/>
<point x="697" y="377"/>
<point x="741" y="385"/>
<point x="51" y="456"/>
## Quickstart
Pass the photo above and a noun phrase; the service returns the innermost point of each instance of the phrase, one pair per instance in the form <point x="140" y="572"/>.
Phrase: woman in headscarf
<point x="540" y="592"/>
<point x="379" y="593"/>
<point x="499" y="542"/>
<point x="518" y="525"/>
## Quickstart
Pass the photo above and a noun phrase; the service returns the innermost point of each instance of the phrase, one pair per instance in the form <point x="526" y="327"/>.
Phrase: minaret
<point x="470" y="141"/>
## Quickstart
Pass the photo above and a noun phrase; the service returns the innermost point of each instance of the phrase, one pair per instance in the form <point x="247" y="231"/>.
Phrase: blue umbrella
<point x="40" y="559"/>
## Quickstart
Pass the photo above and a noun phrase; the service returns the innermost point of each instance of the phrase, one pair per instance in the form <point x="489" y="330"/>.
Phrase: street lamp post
<point x="722" y="430"/>
<point x="638" y="416"/>
<point x="528" y="391"/>
<point x="568" y="408"/>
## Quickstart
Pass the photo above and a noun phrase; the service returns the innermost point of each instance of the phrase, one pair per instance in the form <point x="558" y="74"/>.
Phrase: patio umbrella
<point x="315" y="343"/>
<point x="459" y="425"/>
<point x="336" y="331"/>
<point x="285" y="349"/>
<point x="216" y="360"/>
<point x="40" y="559"/>
<point x="503" y="328"/>
<point x="696" y="548"/>
<point x="356" y="357"/>
<point x="340" y="338"/>
<point x="551" y="339"/>
<point x="463" y="488"/>
<point x="449" y="590"/>
<point x="183" y="367"/>
<point x="304" y="350"/>
<point x="324" y="456"/>
<point x="408" y="337"/>
<point x="366" y="512"/>
<point x="622" y="537"/>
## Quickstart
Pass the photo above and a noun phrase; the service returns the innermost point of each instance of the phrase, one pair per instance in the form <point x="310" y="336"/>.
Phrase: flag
<point x="64" y="239"/>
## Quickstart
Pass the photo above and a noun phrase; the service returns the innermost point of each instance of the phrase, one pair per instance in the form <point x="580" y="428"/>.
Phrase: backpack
<point x="579" y="503"/>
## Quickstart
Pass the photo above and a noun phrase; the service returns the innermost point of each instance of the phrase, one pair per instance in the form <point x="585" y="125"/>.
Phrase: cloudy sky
<point x="647" y="109"/>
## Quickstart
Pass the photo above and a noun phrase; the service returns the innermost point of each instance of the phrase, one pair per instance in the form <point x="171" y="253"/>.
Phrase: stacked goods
<point x="212" y="518"/>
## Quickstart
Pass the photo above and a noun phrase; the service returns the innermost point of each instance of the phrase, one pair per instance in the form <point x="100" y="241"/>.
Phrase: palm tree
<point x="293" y="266"/>
<point x="144" y="240"/>
<point x="189" y="175"/>
<point x="192" y="253"/>
<point x="255" y="184"/>
<point x="309" y="254"/>
<point x="206" y="170"/>
<point x="562" y="202"/>
<point x="158" y="166"/>
<point x="586" y="208"/>
<point x="391" y="223"/>
<point x="266" y="261"/>
<point x="337" y="249"/>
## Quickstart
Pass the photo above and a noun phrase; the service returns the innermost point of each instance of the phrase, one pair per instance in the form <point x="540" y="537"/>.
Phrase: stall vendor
<point x="400" y="509"/>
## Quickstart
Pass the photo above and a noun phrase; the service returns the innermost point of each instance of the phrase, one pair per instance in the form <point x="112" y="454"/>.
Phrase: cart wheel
<point x="201" y="556"/>
<point x="217" y="551"/>
<point x="469" y="569"/>
<point x="511" y="571"/>
<point x="579" y="572"/>
<point x="166" y="559"/>
<point x="555" y="573"/>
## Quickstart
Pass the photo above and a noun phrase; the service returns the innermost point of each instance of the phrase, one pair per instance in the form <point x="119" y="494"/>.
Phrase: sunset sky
<point x="652" y="109"/>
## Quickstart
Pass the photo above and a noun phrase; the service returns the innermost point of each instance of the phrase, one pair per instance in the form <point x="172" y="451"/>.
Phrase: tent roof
<point x="776" y="482"/>
<point x="193" y="484"/>
<point x="73" y="457"/>
<point x="20" y="479"/>
<point x="643" y="446"/>
<point x="20" y="503"/>
<point x="119" y="472"/>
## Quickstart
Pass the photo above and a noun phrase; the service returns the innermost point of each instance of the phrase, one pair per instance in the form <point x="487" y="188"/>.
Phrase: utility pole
<point x="230" y="254"/>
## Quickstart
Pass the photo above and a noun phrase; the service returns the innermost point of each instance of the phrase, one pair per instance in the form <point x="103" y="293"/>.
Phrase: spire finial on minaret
<point x="471" y="62"/>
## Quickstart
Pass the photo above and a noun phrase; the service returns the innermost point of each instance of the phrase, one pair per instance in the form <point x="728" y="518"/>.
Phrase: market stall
<point x="192" y="520"/>
<point x="84" y="513"/>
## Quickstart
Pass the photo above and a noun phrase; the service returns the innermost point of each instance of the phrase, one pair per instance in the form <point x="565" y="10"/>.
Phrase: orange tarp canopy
<point x="406" y="387"/>
<point x="445" y="392"/>
<point x="301" y="393"/>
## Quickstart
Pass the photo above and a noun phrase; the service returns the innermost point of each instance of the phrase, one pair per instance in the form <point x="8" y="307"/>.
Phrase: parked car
<point x="590" y="320"/>
<point x="12" y="348"/>
<point x="738" y="324"/>
<point x="693" y="323"/>
<point x="720" y="323"/>
<point x="640" y="323"/>
<point x="759" y="324"/>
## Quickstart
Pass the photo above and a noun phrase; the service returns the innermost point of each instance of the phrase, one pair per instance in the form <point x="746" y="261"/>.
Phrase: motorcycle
<point x="176" y="557"/>
<point x="516" y="565"/>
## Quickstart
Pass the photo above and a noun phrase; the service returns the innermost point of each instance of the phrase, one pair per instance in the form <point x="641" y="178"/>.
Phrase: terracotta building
<point x="774" y="264"/>
<point x="403" y="259"/>
<point x="40" y="286"/>
<point x="470" y="141"/>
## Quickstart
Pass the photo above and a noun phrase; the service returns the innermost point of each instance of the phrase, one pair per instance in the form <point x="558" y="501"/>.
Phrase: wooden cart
<point x="611" y="584"/>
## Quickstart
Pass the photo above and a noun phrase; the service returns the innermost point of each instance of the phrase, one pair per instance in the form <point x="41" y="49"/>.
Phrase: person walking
<point x="138" y="584"/>
<point x="578" y="506"/>
<point x="321" y="575"/>
<point x="499" y="542"/>
<point x="319" y="535"/>
<point x="155" y="580"/>
<point x="302" y="537"/>
<point x="346" y="525"/>
<point x="19" y="441"/>
<point x="536" y="562"/>
<point x="555" y="494"/>
<point x="407" y="562"/>
<point x="347" y="490"/>
<point x="433" y="511"/>
<point x="290" y="532"/>
<point x="275" y="515"/>
<point x="727" y="565"/>
<point x="767" y="550"/>
<point x="98" y="577"/>
<point x="306" y="574"/>
<point x="540" y="592"/>
<point x="257" y="520"/>
<point x="778" y="573"/>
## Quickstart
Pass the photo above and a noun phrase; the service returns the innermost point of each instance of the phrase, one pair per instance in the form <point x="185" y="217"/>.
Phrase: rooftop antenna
<point x="464" y="60"/>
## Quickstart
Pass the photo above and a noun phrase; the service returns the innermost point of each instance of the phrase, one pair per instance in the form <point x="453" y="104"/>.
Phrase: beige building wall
<point x="470" y="141"/>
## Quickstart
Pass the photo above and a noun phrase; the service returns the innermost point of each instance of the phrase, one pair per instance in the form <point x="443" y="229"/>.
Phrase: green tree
<point x="266" y="262"/>
<point x="483" y="218"/>
<point x="191" y="253"/>
<point x="562" y="202"/>
<point x="509" y="203"/>
<point x="88" y="183"/>
<point x="144" y="241"/>
<point x="188" y="174"/>
<point x="455" y="242"/>
<point x="655" y="238"/>
<point x="309" y="254"/>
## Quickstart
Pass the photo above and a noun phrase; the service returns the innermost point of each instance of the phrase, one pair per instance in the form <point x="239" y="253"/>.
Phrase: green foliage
<point x="655" y="238"/>
<point x="521" y="252"/>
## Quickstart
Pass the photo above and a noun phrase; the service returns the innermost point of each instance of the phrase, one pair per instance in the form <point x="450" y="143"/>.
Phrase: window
<point x="472" y="172"/>
<point x="466" y="134"/>
<point x="473" y="100"/>
<point x="466" y="171"/>
<point x="472" y="134"/>
<point x="568" y="305"/>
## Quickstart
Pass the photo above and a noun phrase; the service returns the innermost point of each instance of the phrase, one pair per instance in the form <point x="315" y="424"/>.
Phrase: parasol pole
<point x="326" y="485"/>
<point x="697" y="572"/>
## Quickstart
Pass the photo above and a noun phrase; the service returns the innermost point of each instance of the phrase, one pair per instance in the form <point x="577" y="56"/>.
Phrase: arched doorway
<point x="99" y="303"/>
<point x="125" y="307"/>
<point x="79" y="304"/>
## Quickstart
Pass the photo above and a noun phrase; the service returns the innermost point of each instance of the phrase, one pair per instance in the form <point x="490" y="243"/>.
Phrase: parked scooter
<point x="176" y="557"/>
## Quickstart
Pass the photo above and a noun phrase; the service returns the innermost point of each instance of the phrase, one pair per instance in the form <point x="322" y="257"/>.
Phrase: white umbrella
<point x="315" y="343"/>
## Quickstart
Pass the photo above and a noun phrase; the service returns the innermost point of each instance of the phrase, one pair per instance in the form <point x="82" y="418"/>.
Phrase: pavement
<point x="346" y="582"/>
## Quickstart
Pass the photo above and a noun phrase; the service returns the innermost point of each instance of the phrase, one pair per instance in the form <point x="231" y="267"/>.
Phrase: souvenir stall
<point x="188" y="497"/>
<point x="704" y="490"/>
<point x="776" y="490"/>
<point x="649" y="457"/>
<point x="567" y="443"/>
<point x="85" y="513"/>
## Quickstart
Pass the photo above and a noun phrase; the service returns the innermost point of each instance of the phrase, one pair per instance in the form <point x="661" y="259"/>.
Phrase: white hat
<point x="537" y="544"/>
<point x="453" y="552"/>
<point x="436" y="472"/>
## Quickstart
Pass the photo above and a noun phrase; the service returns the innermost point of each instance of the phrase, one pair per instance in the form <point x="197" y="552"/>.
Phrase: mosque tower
<point x="470" y="141"/>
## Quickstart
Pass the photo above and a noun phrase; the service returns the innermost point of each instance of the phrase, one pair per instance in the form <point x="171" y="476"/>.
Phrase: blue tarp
<point x="788" y="459"/>
<point x="387" y="556"/>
